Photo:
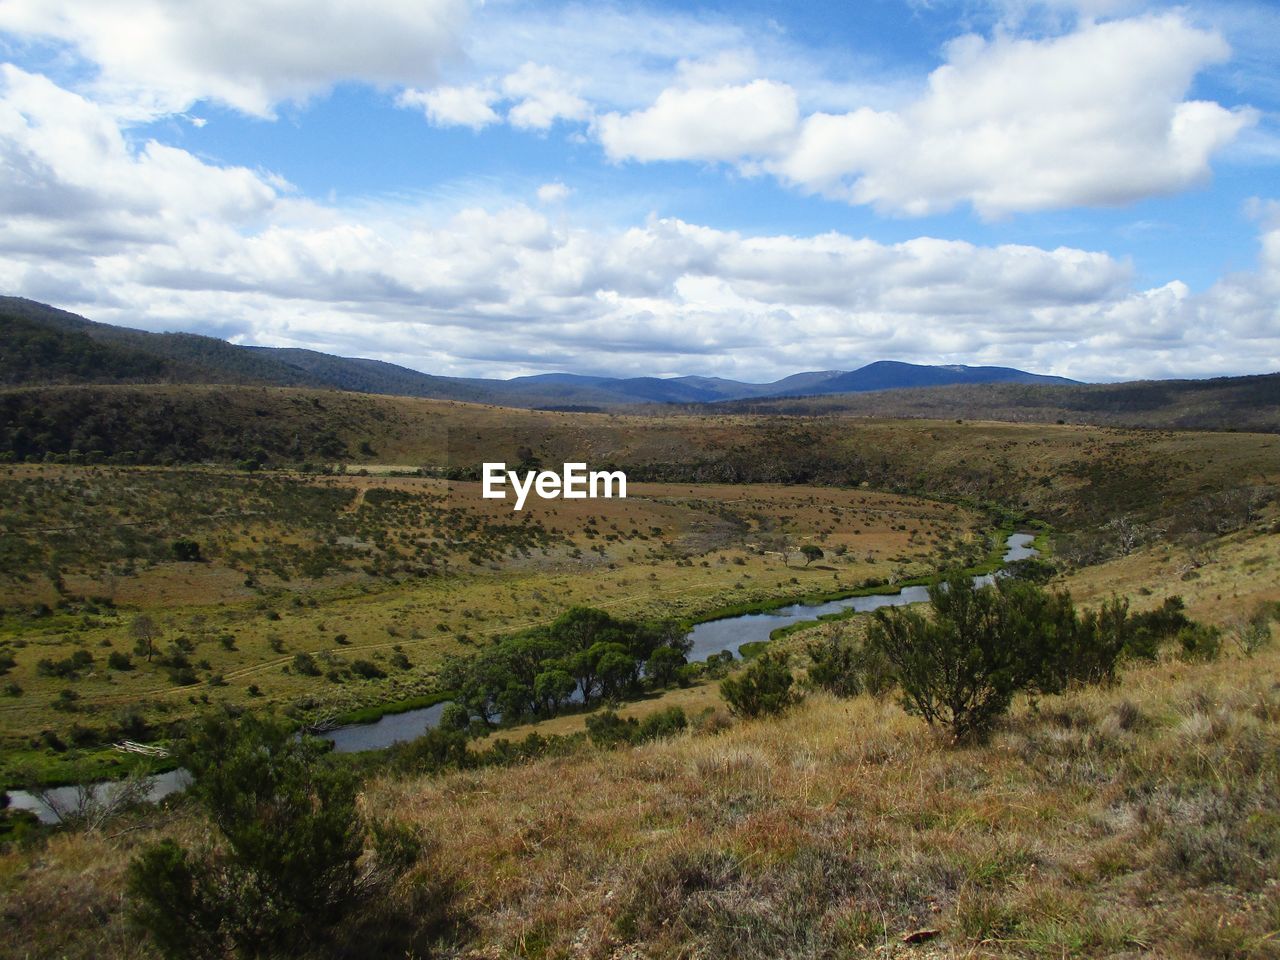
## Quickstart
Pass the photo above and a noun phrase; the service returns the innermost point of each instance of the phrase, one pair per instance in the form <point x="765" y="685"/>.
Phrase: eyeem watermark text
<point x="574" y="482"/>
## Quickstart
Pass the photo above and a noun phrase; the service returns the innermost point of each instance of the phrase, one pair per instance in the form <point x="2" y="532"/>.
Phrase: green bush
<point x="283" y="878"/>
<point x="1199" y="642"/>
<point x="832" y="668"/>
<point x="367" y="669"/>
<point x="764" y="688"/>
<point x="1153" y="628"/>
<point x="961" y="666"/>
<point x="607" y="729"/>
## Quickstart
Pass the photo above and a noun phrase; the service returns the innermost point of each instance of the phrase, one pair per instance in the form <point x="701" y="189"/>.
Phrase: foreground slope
<point x="1135" y="821"/>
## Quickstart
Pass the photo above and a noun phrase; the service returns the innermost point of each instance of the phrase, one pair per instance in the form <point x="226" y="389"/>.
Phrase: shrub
<point x="367" y="669"/>
<point x="764" y="688"/>
<point x="285" y="876"/>
<point x="1199" y="642"/>
<point x="954" y="670"/>
<point x="664" y="723"/>
<point x="119" y="661"/>
<point x="185" y="550"/>
<point x="455" y="717"/>
<point x="1253" y="634"/>
<point x="961" y="667"/>
<point x="437" y="749"/>
<point x="305" y="664"/>
<point x="607" y="729"/>
<point x="1152" y="629"/>
<point x="834" y="667"/>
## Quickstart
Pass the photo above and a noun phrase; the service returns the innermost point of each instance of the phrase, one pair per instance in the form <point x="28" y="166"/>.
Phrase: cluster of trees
<point x="121" y="427"/>
<point x="584" y="657"/>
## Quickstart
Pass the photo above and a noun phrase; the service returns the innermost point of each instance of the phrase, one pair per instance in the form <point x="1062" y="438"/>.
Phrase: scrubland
<point x="1138" y="819"/>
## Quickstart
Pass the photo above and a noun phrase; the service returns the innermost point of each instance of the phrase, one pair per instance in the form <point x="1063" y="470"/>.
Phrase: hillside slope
<point x="1049" y="470"/>
<point x="1221" y="403"/>
<point x="1133" y="821"/>
<point x="188" y="358"/>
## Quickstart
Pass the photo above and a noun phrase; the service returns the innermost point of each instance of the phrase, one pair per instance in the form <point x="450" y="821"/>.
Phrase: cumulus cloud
<point x="542" y="95"/>
<point x="155" y="237"/>
<point x="1096" y="117"/>
<point x="454" y="106"/>
<point x="70" y="182"/>
<point x="250" y="56"/>
<point x="704" y="123"/>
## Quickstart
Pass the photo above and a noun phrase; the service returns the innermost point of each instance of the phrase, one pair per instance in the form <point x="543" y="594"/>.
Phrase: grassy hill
<point x="1223" y="403"/>
<point x="1139" y="820"/>
<point x="1125" y="821"/>
<point x="1055" y="471"/>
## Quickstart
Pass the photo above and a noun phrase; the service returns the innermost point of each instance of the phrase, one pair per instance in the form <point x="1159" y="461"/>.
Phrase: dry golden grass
<point x="1135" y="820"/>
<point x="1139" y="820"/>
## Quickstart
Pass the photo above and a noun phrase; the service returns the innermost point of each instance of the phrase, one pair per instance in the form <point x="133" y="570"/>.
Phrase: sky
<point x="1087" y="188"/>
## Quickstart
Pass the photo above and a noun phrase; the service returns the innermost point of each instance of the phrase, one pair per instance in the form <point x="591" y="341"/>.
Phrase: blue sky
<point x="750" y="189"/>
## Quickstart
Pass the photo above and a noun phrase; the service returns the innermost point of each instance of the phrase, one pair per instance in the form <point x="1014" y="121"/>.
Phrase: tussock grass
<point x="1103" y="822"/>
<point x="1139" y="820"/>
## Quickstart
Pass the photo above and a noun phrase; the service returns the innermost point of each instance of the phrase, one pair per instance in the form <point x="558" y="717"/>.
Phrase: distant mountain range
<point x="41" y="345"/>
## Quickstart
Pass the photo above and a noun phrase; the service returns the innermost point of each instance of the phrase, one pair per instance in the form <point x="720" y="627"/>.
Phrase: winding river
<point x="708" y="638"/>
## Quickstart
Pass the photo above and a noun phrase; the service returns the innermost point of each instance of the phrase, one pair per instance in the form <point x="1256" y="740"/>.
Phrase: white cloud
<point x="164" y="56"/>
<point x="1096" y="117"/>
<point x="542" y="96"/>
<point x="550" y="193"/>
<point x="704" y="123"/>
<point x="1092" y="118"/>
<point x="454" y="106"/>
<point x="153" y="236"/>
<point x="69" y="180"/>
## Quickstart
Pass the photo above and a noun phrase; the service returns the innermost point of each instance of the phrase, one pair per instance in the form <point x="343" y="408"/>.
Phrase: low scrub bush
<point x="960" y="667"/>
<point x="763" y="688"/>
<point x="607" y="729"/>
<point x="294" y="862"/>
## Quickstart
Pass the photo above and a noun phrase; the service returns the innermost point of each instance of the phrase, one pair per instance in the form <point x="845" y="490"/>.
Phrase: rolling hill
<point x="44" y="345"/>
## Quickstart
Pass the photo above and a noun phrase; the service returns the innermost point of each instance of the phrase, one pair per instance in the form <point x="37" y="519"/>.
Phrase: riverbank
<point x="993" y="562"/>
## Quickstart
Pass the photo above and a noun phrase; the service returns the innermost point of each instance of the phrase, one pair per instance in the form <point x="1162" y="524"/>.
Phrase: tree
<point x="811" y="553"/>
<point x="764" y="688"/>
<point x="662" y="664"/>
<point x="553" y="688"/>
<point x="145" y="633"/>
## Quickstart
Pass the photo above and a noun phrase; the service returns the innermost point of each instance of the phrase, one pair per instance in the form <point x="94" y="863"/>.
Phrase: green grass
<point x="25" y="768"/>
<point x="377" y="711"/>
